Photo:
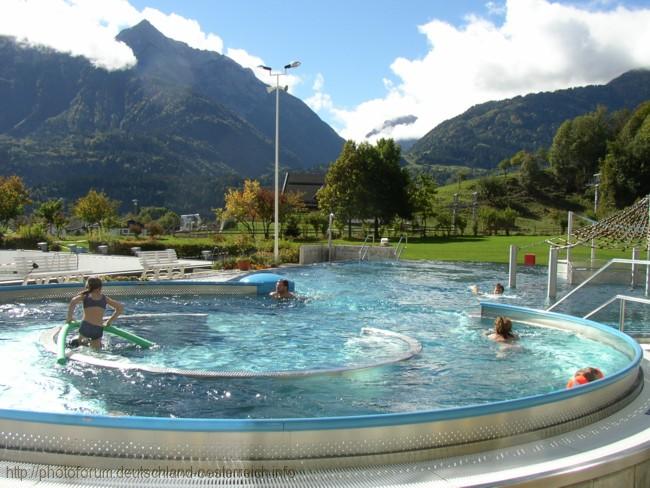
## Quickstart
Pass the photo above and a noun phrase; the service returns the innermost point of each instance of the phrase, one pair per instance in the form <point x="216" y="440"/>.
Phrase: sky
<point x="370" y="68"/>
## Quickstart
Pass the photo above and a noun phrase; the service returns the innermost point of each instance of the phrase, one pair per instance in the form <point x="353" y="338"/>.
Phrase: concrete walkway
<point x="102" y="264"/>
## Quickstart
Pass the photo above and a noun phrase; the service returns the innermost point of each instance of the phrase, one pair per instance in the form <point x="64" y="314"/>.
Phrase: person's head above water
<point x="282" y="289"/>
<point x="498" y="289"/>
<point x="282" y="285"/>
<point x="584" y="376"/>
<point x="503" y="327"/>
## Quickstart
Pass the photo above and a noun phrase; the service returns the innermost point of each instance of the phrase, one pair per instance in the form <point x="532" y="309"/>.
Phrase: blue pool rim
<point x="135" y="284"/>
<point x="332" y="423"/>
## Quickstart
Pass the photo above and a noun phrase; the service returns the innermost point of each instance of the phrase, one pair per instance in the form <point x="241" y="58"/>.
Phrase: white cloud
<point x="182" y="29"/>
<point x="247" y="60"/>
<point x="539" y="46"/>
<point x="319" y="100"/>
<point x="88" y="28"/>
<point x="495" y="8"/>
<point x="78" y="27"/>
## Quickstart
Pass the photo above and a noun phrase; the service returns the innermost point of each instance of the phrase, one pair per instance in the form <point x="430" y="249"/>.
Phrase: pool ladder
<point x="401" y="245"/>
<point x="363" y="252"/>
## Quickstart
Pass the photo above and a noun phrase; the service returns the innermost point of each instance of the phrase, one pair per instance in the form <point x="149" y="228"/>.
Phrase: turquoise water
<point x="427" y="301"/>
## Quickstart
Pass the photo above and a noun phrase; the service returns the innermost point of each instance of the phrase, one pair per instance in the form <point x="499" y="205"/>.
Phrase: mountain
<point x="487" y="133"/>
<point x="175" y="130"/>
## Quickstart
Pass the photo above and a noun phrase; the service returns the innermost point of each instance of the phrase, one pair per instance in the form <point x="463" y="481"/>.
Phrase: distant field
<point x="494" y="249"/>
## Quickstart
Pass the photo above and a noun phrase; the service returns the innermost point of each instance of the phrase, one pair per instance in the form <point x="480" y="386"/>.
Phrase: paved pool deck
<point x="103" y="264"/>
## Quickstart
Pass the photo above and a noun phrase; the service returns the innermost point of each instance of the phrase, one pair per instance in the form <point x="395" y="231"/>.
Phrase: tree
<point x="240" y="205"/>
<point x="461" y="175"/>
<point x="170" y="221"/>
<point x="578" y="148"/>
<point x="254" y="204"/>
<point x="389" y="185"/>
<point x="625" y="173"/>
<point x="154" y="229"/>
<point x="422" y="192"/>
<point x="51" y="212"/>
<point x="530" y="172"/>
<point x="96" y="208"/>
<point x="506" y="220"/>
<point x="318" y="222"/>
<point x="264" y="203"/>
<point x="13" y="198"/>
<point x="493" y="190"/>
<point x="343" y="191"/>
<point x="504" y="165"/>
<point x="367" y="182"/>
<point x="490" y="219"/>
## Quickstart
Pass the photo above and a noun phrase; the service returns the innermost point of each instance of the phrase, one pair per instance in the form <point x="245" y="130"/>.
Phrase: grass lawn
<point x="494" y="249"/>
<point x="468" y="248"/>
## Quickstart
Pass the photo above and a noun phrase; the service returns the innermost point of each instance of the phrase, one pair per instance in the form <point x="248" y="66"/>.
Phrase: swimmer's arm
<point x="73" y="304"/>
<point x="118" y="308"/>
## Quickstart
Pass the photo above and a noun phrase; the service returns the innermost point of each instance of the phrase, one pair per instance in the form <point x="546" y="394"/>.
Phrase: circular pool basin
<point x="364" y="406"/>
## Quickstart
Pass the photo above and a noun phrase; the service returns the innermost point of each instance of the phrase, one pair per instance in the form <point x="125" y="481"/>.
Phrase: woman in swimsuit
<point x="94" y="304"/>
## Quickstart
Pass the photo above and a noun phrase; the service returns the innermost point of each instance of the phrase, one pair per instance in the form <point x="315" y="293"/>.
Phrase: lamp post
<point x="276" y="222"/>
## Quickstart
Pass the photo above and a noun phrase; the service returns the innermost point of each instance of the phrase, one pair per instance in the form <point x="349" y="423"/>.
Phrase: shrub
<point x="36" y="232"/>
<point x="290" y="255"/>
<point x="291" y="228"/>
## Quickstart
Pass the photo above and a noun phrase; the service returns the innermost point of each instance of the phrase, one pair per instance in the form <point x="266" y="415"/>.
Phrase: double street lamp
<point x="276" y="225"/>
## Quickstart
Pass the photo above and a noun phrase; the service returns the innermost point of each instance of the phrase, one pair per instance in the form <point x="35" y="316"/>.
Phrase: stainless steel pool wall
<point x="97" y="440"/>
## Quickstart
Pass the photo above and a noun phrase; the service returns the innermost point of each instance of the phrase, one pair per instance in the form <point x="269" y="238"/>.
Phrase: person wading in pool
<point x="282" y="290"/>
<point x="94" y="303"/>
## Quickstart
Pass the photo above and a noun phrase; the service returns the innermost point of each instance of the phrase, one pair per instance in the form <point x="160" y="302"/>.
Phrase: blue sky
<point x="366" y="62"/>
<point x="351" y="42"/>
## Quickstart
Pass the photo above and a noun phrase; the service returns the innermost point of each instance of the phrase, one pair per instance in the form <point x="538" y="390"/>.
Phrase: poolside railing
<point x="633" y="262"/>
<point x="623" y="299"/>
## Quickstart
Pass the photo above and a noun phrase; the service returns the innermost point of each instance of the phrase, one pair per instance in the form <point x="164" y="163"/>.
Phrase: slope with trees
<point x="490" y="132"/>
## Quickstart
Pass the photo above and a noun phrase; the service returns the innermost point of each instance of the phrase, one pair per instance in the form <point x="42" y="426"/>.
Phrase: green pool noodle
<point x="63" y="333"/>
<point x="140" y="341"/>
<point x="61" y="357"/>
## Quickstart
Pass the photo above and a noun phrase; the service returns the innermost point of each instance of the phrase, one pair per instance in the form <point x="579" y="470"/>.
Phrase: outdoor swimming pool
<point x="429" y="302"/>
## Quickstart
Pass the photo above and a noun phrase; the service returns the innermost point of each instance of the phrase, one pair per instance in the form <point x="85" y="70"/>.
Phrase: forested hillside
<point x="490" y="132"/>
<point x="175" y="130"/>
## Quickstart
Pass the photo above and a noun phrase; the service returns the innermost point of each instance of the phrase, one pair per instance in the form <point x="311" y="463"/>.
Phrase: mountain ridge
<point x="193" y="121"/>
<point x="491" y="131"/>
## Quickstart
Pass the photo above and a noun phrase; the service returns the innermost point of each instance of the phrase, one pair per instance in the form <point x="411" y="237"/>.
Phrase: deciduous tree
<point x="422" y="192"/>
<point x="96" y="208"/>
<point x="625" y="173"/>
<point x="578" y="148"/>
<point x="13" y="198"/>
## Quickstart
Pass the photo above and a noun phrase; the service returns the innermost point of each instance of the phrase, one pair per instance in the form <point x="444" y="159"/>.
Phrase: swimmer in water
<point x="503" y="330"/>
<point x="282" y="290"/>
<point x="584" y="376"/>
<point x="498" y="289"/>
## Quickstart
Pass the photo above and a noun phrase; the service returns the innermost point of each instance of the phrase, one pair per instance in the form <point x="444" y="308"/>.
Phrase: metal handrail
<point x="609" y="263"/>
<point x="363" y="252"/>
<point x="621" y="315"/>
<point x="399" y="250"/>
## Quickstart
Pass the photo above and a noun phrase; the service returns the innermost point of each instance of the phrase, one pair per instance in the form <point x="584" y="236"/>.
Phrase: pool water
<point x="427" y="301"/>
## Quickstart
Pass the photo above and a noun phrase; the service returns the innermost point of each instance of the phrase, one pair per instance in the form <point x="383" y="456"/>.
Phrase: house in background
<point x="307" y="184"/>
